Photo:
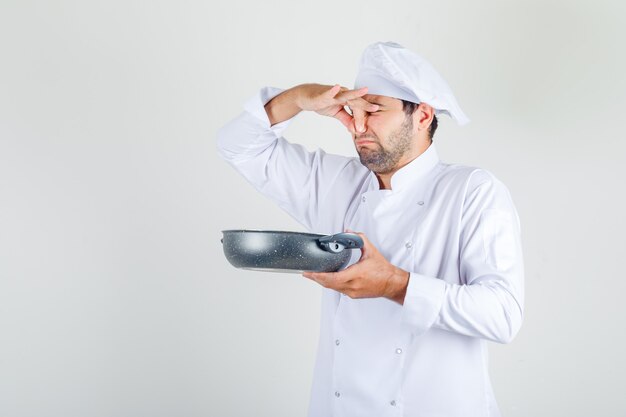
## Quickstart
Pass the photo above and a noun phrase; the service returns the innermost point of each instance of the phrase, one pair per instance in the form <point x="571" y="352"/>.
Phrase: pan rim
<point x="285" y="232"/>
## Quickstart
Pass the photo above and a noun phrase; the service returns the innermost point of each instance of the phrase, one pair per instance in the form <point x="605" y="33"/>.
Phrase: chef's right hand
<point x="329" y="100"/>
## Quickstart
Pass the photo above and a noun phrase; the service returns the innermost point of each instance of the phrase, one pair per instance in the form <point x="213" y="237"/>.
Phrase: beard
<point x="383" y="160"/>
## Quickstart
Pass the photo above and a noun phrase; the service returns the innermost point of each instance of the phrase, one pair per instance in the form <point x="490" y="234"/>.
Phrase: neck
<point x="384" y="180"/>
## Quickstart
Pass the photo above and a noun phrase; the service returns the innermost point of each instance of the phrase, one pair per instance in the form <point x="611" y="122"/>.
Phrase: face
<point x="388" y="135"/>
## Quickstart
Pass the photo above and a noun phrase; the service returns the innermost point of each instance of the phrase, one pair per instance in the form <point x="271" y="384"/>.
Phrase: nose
<point x="360" y="120"/>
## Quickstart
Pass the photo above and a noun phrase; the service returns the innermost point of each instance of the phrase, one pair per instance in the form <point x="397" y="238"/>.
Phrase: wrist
<point x="296" y="95"/>
<point x="284" y="106"/>
<point x="400" y="282"/>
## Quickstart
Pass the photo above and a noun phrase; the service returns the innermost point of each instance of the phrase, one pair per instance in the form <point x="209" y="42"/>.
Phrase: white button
<point x="421" y="203"/>
<point x="398" y="351"/>
<point x="363" y="199"/>
<point x="337" y="394"/>
<point x="337" y="342"/>
<point x="393" y="403"/>
<point x="408" y="245"/>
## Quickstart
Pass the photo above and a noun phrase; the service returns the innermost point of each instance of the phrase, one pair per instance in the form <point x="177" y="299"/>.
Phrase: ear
<point x="423" y="116"/>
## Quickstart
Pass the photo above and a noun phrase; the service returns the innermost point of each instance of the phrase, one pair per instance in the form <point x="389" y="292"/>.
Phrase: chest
<point x="416" y="231"/>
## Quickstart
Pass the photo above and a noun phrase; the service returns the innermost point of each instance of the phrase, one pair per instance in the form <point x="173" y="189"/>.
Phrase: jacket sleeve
<point x="287" y="173"/>
<point x="488" y="303"/>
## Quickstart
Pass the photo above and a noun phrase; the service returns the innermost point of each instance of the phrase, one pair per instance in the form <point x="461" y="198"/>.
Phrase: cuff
<point x="255" y="105"/>
<point x="423" y="301"/>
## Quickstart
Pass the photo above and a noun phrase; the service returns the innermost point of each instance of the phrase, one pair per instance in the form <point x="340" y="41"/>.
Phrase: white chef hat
<point x="389" y="69"/>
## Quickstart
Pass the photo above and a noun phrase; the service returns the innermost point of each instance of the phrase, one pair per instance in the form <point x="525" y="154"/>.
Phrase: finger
<point x="325" y="279"/>
<point x="334" y="90"/>
<point x="352" y="128"/>
<point x="345" y="118"/>
<point x="359" y="119"/>
<point x="360" y="109"/>
<point x="334" y="280"/>
<point x="351" y="94"/>
<point x="362" y="104"/>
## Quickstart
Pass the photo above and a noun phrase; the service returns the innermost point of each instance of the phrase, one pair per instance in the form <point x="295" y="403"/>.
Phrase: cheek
<point x="379" y="125"/>
<point x="375" y="122"/>
<point x="386" y="122"/>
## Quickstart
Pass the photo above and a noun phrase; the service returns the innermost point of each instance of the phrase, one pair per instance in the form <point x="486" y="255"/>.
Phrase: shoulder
<point x="470" y="178"/>
<point x="483" y="192"/>
<point x="473" y="185"/>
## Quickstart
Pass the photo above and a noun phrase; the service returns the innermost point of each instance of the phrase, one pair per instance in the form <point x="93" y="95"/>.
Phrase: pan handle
<point x="340" y="241"/>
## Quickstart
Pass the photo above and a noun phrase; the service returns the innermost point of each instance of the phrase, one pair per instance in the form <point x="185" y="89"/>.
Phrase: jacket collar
<point x="413" y="171"/>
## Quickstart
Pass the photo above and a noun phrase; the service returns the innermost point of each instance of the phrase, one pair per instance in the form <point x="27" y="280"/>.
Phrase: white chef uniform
<point x="454" y="228"/>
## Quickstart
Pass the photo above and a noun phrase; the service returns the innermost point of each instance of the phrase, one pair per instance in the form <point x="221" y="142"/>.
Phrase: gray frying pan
<point x="280" y="251"/>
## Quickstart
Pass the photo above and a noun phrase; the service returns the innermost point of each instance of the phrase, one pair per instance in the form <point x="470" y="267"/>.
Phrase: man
<point x="404" y="327"/>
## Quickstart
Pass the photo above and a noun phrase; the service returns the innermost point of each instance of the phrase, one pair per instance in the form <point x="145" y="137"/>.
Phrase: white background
<point x="115" y="297"/>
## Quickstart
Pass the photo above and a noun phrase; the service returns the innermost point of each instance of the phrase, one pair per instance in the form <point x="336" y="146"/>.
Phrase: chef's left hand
<point x="371" y="276"/>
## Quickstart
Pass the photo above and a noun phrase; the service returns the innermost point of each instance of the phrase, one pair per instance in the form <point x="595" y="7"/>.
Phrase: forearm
<point x="248" y="134"/>
<point x="490" y="309"/>
<point x="283" y="107"/>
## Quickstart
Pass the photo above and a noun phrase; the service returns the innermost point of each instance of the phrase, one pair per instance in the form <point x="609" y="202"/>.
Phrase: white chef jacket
<point x="454" y="228"/>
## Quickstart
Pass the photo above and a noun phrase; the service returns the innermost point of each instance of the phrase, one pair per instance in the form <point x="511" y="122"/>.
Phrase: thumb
<point x="345" y="118"/>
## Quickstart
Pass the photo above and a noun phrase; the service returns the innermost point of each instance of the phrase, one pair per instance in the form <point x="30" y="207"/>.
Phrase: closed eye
<point x="369" y="112"/>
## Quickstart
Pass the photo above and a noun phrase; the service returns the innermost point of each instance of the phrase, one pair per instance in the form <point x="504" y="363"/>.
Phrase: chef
<point x="404" y="328"/>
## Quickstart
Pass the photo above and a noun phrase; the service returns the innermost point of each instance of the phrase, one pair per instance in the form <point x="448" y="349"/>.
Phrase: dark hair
<point x="409" y="108"/>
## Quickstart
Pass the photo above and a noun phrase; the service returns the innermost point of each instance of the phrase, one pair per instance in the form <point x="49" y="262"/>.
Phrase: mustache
<point x="366" y="137"/>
